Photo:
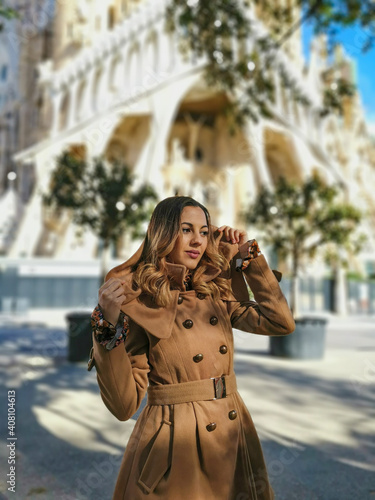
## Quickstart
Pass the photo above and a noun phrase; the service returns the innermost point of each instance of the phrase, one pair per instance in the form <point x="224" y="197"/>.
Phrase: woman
<point x="165" y="318"/>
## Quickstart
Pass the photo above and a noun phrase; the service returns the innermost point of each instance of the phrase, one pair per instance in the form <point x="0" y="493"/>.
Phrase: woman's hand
<point x="111" y="297"/>
<point x="234" y="235"/>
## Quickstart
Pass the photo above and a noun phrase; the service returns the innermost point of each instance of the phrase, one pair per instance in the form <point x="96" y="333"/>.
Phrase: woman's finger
<point x="118" y="293"/>
<point x="232" y="234"/>
<point x="112" y="286"/>
<point x="109" y="295"/>
<point x="227" y="232"/>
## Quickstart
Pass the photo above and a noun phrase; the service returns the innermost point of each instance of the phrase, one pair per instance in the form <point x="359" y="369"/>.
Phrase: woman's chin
<point x="190" y="264"/>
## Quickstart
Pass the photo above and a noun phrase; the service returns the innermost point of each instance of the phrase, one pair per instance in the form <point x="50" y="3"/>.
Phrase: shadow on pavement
<point x="70" y="447"/>
<point x="324" y="422"/>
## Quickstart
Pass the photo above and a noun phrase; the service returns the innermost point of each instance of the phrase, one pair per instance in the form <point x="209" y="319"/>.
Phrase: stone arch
<point x="55" y="222"/>
<point x="128" y="140"/>
<point x="44" y="113"/>
<point x="111" y="17"/>
<point x="37" y="113"/>
<point x="203" y="157"/>
<point x="133" y="71"/>
<point x="95" y="95"/>
<point x="126" y="145"/>
<point x="64" y="110"/>
<point x="81" y="99"/>
<point x="114" y="76"/>
<point x="166" y="48"/>
<point x="281" y="155"/>
<point x="151" y="53"/>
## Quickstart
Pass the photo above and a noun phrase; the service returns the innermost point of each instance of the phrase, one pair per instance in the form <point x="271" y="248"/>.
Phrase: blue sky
<point x="352" y="39"/>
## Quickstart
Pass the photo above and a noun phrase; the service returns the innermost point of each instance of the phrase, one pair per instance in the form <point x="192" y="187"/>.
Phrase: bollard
<point x="80" y="336"/>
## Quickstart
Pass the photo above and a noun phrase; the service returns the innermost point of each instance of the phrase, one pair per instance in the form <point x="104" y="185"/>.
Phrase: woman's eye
<point x="205" y="233"/>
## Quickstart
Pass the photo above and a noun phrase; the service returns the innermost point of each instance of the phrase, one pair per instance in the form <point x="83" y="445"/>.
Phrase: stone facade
<point x="104" y="76"/>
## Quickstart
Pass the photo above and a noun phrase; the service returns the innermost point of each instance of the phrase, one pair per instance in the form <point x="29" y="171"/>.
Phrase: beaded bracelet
<point x="108" y="335"/>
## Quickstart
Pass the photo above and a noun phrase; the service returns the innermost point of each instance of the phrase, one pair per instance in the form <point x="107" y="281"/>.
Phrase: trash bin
<point x="306" y="342"/>
<point x="80" y="335"/>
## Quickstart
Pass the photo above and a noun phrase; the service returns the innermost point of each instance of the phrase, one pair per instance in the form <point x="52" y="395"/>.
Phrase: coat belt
<point x="196" y="390"/>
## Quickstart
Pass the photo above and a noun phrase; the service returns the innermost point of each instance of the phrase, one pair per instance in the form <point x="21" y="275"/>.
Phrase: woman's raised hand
<point x="111" y="297"/>
<point x="234" y="235"/>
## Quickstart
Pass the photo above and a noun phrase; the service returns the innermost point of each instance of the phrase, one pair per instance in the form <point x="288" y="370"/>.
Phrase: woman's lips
<point x="193" y="255"/>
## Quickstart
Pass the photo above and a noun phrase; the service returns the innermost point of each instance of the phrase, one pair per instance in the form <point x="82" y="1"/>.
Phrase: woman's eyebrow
<point x="190" y="224"/>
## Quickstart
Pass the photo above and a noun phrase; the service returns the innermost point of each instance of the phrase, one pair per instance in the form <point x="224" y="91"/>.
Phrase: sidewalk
<point x="316" y="419"/>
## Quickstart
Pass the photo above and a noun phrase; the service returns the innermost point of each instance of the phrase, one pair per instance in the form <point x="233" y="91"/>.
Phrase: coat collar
<point x="178" y="271"/>
<point x="159" y="321"/>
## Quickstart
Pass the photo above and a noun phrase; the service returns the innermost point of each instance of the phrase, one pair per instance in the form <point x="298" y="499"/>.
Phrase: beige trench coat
<point x="187" y="445"/>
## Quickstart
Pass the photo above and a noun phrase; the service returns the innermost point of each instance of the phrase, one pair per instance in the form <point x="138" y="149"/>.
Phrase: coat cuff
<point x="105" y="333"/>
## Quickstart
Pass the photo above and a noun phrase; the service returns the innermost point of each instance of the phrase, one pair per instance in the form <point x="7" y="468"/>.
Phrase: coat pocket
<point x="158" y="460"/>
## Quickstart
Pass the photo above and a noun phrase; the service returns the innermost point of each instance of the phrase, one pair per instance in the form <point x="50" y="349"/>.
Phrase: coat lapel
<point x="158" y="321"/>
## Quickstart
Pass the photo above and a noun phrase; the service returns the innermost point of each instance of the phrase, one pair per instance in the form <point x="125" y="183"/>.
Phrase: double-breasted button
<point x="213" y="320"/>
<point x="211" y="427"/>
<point x="223" y="349"/>
<point x="198" y="357"/>
<point x="201" y="296"/>
<point x="180" y="299"/>
<point x="188" y="323"/>
<point x="232" y="414"/>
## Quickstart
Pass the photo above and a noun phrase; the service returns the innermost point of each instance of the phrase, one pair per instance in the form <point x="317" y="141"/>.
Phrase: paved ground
<point x="316" y="419"/>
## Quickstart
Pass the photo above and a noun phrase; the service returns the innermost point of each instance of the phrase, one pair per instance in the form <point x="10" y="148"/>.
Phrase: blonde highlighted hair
<point x="150" y="271"/>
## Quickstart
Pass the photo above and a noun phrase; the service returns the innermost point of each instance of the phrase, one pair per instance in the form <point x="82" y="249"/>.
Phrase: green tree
<point x="297" y="220"/>
<point x="100" y="196"/>
<point x="206" y="29"/>
<point x="6" y="13"/>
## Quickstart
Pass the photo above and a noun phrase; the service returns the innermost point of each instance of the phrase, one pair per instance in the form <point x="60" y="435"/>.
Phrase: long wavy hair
<point x="150" y="271"/>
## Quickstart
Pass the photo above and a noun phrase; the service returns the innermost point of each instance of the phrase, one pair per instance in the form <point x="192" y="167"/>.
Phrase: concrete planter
<point x="306" y="342"/>
<point x="80" y="336"/>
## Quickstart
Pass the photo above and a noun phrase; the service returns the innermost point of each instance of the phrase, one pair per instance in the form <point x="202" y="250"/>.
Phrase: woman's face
<point x="192" y="239"/>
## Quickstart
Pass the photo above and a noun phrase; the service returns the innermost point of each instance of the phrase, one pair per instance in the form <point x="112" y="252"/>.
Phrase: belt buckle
<point x="219" y="387"/>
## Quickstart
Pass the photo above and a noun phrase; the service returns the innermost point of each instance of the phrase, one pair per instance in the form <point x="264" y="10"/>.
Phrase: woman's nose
<point x="197" y="239"/>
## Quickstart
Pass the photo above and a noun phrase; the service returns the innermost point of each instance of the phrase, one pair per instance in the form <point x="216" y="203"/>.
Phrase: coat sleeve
<point x="122" y="372"/>
<point x="269" y="313"/>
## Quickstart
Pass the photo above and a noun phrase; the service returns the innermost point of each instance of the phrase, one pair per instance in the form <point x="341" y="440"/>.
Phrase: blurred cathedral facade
<point x="104" y="78"/>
